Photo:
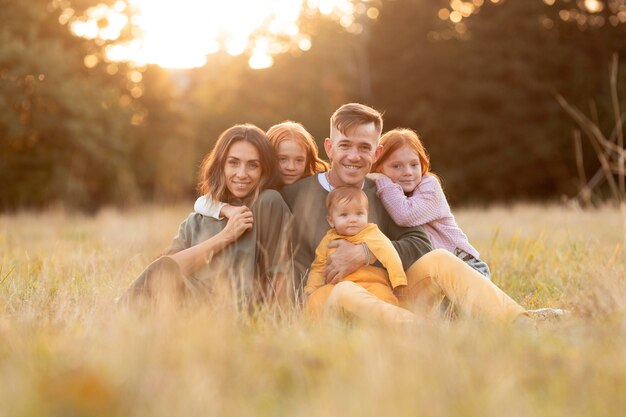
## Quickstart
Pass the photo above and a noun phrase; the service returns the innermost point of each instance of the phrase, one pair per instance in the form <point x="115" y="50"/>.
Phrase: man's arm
<point x="411" y="243"/>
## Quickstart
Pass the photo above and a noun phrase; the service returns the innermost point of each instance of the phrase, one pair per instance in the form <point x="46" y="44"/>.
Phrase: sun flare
<point x="184" y="33"/>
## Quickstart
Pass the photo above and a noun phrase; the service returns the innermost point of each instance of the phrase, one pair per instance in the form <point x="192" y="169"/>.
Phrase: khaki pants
<point x="433" y="276"/>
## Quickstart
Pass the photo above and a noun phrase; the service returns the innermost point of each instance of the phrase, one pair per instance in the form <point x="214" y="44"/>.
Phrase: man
<point x="351" y="148"/>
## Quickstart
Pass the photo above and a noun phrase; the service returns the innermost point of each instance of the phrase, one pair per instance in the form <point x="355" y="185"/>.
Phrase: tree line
<point x="86" y="132"/>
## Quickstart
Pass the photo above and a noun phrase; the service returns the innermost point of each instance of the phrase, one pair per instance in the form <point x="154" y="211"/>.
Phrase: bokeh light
<point x="182" y="34"/>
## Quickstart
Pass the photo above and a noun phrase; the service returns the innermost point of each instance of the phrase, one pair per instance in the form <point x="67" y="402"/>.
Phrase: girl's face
<point x="404" y="168"/>
<point x="291" y="161"/>
<point x="242" y="169"/>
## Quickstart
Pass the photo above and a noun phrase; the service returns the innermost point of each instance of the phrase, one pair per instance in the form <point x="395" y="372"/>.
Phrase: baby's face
<point x="348" y="218"/>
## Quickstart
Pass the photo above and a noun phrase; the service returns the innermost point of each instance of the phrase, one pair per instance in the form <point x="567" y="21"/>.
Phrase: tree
<point x="484" y="102"/>
<point x="73" y="125"/>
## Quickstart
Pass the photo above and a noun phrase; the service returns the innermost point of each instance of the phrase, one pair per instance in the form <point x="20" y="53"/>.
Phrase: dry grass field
<point x="67" y="350"/>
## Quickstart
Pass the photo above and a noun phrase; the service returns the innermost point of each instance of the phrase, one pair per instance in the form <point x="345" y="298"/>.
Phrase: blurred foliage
<point x="484" y="102"/>
<point x="85" y="132"/>
<point x="306" y="88"/>
<point x="70" y="129"/>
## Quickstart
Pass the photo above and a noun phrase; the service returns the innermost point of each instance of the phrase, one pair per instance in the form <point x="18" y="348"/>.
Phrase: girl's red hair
<point x="296" y="132"/>
<point x="396" y="139"/>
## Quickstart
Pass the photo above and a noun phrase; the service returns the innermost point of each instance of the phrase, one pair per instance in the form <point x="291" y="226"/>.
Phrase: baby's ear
<point x="330" y="221"/>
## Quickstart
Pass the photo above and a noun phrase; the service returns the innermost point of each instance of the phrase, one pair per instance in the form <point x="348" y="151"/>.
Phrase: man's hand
<point x="345" y="260"/>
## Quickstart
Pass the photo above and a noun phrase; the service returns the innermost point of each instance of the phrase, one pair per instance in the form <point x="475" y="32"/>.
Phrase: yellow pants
<point x="372" y="279"/>
<point x="435" y="275"/>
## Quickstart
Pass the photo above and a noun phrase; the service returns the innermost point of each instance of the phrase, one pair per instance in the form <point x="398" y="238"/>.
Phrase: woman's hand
<point x="239" y="222"/>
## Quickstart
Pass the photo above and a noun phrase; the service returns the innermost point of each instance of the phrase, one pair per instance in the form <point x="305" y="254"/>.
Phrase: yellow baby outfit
<point x="374" y="279"/>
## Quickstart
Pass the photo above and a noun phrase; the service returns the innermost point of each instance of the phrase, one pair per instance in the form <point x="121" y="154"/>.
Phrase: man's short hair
<point x="352" y="115"/>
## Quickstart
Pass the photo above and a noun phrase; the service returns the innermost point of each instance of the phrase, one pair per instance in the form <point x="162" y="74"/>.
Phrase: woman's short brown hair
<point x="211" y="179"/>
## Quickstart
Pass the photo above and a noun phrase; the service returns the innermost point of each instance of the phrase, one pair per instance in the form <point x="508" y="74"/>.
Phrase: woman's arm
<point x="428" y="203"/>
<point x="191" y="259"/>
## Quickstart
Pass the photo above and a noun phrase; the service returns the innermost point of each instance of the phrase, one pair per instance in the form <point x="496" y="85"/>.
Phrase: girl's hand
<point x="240" y="221"/>
<point x="228" y="211"/>
<point x="376" y="176"/>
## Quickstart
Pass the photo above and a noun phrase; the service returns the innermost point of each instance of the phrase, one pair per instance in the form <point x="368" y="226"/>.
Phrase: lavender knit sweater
<point x="426" y="207"/>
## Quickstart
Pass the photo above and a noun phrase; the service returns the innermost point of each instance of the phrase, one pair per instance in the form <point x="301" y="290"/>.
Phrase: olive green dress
<point x="248" y="267"/>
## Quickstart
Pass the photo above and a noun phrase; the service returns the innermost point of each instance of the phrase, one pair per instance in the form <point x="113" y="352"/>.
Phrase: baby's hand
<point x="376" y="176"/>
<point x="229" y="211"/>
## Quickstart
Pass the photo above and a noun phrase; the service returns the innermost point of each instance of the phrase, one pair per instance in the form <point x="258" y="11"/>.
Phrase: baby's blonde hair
<point x="343" y="195"/>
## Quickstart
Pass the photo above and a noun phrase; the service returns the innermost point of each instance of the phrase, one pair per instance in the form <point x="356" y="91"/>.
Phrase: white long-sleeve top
<point x="206" y="206"/>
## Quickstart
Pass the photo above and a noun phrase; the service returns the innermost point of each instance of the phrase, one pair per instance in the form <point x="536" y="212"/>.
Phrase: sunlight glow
<point x="594" y="6"/>
<point x="181" y="34"/>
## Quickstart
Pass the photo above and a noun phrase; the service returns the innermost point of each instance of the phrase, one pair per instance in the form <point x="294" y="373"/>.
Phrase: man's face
<point x="352" y="154"/>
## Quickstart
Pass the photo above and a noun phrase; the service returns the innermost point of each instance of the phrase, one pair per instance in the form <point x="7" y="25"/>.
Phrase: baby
<point x="347" y="216"/>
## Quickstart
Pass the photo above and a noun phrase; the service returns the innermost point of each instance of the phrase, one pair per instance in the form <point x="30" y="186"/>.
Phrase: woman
<point x="247" y="253"/>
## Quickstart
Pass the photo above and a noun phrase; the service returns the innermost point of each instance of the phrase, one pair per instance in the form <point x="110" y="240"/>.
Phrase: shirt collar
<point x="323" y="180"/>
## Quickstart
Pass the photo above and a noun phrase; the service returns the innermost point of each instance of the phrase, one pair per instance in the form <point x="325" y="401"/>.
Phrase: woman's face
<point x="242" y="169"/>
<point x="404" y="168"/>
<point x="291" y="161"/>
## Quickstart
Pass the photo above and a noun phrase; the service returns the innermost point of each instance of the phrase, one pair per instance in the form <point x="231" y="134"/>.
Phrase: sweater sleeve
<point x="182" y="240"/>
<point x="317" y="273"/>
<point x="428" y="203"/>
<point x="385" y="252"/>
<point x="206" y="206"/>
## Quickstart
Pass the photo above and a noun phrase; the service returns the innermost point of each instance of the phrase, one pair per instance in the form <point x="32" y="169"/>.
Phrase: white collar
<point x="323" y="180"/>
